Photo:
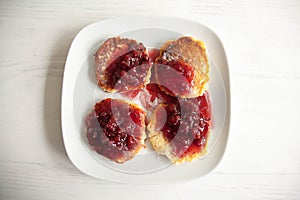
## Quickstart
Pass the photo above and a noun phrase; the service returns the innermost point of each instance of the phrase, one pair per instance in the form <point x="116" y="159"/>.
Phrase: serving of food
<point x="116" y="129"/>
<point x="171" y="86"/>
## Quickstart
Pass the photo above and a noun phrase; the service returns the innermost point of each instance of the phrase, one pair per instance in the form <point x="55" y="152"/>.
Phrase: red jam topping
<point x="187" y="129"/>
<point x="152" y="96"/>
<point x="153" y="54"/>
<point x="114" y="128"/>
<point x="175" y="76"/>
<point x="132" y="94"/>
<point x="184" y="122"/>
<point x="128" y="71"/>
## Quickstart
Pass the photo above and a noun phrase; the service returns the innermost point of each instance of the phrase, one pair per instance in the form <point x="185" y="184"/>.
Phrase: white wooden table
<point x="262" y="41"/>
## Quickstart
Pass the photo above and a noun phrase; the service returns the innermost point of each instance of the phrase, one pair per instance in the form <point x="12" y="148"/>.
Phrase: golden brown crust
<point x="194" y="53"/>
<point x="111" y="49"/>
<point x="192" y="157"/>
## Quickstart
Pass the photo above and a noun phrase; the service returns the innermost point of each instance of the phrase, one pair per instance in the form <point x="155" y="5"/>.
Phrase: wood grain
<point x="262" y="42"/>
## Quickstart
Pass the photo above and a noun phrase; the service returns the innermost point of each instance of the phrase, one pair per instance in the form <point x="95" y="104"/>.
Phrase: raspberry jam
<point x="128" y="71"/>
<point x="152" y="96"/>
<point x="114" y="129"/>
<point x="170" y="72"/>
<point x="186" y="121"/>
<point x="187" y="129"/>
<point x="153" y="54"/>
<point x="131" y="94"/>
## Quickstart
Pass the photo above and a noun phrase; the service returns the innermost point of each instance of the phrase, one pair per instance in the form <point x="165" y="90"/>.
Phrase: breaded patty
<point x="181" y="130"/>
<point x="116" y="129"/>
<point x="188" y="56"/>
<point x="122" y="64"/>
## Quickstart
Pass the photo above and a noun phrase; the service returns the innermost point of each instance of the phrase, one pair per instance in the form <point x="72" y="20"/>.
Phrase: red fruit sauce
<point x="128" y="71"/>
<point x="153" y="54"/>
<point x="175" y="76"/>
<point x="132" y="94"/>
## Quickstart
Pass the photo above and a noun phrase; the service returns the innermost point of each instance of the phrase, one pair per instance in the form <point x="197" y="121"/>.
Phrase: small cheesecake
<point x="182" y="67"/>
<point x="116" y="129"/>
<point x="122" y="65"/>
<point x="180" y="130"/>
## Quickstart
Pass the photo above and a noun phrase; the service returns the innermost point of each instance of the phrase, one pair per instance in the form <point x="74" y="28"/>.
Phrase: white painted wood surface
<point x="262" y="42"/>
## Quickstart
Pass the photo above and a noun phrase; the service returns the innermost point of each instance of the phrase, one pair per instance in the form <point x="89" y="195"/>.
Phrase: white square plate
<point x="80" y="93"/>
